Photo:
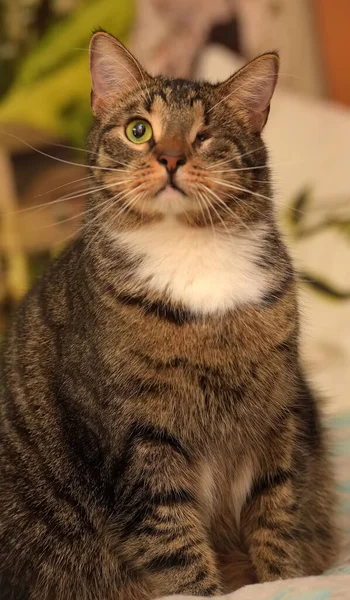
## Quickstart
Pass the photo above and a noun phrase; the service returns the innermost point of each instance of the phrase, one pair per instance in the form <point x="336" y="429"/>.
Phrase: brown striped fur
<point x="149" y="447"/>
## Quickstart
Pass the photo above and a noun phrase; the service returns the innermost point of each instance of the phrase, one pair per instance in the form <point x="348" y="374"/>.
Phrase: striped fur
<point x="157" y="434"/>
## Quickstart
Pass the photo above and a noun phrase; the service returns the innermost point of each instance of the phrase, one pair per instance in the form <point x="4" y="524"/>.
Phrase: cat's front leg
<point x="271" y="529"/>
<point x="162" y="535"/>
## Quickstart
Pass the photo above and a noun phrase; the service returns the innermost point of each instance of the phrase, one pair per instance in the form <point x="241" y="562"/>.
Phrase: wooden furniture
<point x="333" y="25"/>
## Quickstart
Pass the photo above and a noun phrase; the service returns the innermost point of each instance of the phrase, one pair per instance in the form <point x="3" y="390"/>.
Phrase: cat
<point x="158" y="435"/>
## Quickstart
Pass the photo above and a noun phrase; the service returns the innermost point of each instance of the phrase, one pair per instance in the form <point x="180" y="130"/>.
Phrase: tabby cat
<point x="157" y="432"/>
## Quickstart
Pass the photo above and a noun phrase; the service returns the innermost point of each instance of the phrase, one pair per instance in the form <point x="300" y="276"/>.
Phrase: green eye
<point x="139" y="131"/>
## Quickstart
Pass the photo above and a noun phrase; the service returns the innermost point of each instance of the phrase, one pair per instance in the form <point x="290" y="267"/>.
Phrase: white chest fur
<point x="206" y="272"/>
<point x="217" y="492"/>
<point x="240" y="490"/>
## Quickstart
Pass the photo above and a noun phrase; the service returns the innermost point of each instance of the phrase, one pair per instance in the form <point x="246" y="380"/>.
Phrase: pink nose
<point x="172" y="161"/>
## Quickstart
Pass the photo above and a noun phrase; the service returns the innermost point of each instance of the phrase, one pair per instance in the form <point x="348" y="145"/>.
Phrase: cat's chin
<point x="170" y="201"/>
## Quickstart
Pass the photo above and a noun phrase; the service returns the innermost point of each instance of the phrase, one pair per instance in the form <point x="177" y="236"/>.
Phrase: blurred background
<point x="45" y="116"/>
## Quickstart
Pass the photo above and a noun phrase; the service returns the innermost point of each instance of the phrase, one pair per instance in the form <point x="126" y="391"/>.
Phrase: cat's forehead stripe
<point x="169" y="117"/>
<point x="152" y="98"/>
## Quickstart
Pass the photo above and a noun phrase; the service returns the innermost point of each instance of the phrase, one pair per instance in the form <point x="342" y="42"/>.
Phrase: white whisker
<point x="228" y="210"/>
<point x="199" y="199"/>
<point x="61" y="160"/>
<point x="117" y="161"/>
<point x="205" y="188"/>
<point x="77" y="216"/>
<point x="63" y="185"/>
<point x="240" y="189"/>
<point x="68" y="197"/>
<point x="89" y="224"/>
<point x="228" y="160"/>
<point x="209" y="215"/>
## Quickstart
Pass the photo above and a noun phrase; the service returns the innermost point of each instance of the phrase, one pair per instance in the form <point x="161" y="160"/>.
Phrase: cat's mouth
<point x="169" y="188"/>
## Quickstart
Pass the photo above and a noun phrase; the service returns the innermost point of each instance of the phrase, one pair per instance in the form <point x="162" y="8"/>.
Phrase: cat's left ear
<point x="252" y="87"/>
<point x="114" y="70"/>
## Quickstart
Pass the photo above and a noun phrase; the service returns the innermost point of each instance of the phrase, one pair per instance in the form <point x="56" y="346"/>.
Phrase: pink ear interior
<point x="113" y="70"/>
<point x="253" y="86"/>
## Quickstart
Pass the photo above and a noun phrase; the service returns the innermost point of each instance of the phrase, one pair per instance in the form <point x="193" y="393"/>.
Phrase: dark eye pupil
<point x="201" y="137"/>
<point x="139" y="130"/>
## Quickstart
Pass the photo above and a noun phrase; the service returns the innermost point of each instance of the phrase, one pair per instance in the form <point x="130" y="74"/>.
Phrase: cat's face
<point x="173" y="148"/>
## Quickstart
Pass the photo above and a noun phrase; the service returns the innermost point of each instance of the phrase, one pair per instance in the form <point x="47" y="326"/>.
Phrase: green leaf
<point x="52" y="92"/>
<point x="324" y="288"/>
<point x="343" y="226"/>
<point x="298" y="207"/>
<point x="68" y="40"/>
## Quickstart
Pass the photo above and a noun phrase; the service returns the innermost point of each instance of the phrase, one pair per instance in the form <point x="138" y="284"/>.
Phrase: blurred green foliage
<point x="46" y="83"/>
<point x="294" y="219"/>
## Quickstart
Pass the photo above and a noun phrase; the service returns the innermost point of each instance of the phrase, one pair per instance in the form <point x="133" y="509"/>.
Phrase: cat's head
<point x="187" y="150"/>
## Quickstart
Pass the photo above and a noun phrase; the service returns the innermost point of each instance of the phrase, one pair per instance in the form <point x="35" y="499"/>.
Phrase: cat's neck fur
<point x="204" y="270"/>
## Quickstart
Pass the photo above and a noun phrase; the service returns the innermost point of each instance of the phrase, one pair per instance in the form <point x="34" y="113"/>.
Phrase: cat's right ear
<point x="113" y="69"/>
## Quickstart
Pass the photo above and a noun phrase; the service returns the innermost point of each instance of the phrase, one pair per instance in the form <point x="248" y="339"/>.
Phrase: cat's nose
<point x="172" y="161"/>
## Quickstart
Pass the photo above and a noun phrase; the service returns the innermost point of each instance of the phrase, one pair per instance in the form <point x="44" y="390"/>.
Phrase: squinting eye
<point x="201" y="137"/>
<point x="139" y="131"/>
